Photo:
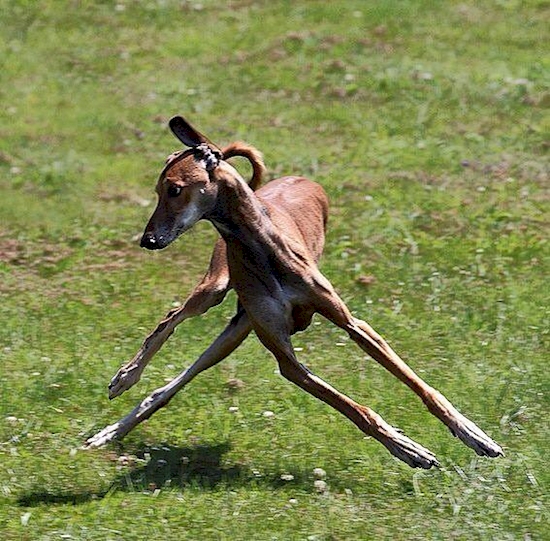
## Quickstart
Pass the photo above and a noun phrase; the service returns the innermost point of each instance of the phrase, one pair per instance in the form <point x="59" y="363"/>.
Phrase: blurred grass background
<point x="427" y="124"/>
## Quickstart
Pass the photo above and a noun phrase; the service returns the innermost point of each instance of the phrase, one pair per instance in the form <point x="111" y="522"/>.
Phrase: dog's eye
<point x="173" y="190"/>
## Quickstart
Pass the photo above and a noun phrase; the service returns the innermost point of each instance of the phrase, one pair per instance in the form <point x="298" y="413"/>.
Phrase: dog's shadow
<point x="165" y="466"/>
<point x="201" y="465"/>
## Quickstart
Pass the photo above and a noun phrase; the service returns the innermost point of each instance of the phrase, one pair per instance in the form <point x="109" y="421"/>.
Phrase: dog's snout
<point x="149" y="241"/>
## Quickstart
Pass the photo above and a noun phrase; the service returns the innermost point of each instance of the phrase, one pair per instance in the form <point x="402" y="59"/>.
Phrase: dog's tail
<point x="253" y="155"/>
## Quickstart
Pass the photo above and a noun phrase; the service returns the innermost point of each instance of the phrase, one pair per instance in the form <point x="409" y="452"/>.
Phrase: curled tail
<point x="253" y="155"/>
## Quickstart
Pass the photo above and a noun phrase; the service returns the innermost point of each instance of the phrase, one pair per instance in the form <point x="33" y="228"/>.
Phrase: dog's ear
<point x="188" y="135"/>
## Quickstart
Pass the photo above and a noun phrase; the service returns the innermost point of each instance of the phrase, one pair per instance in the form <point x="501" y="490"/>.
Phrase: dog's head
<point x="186" y="189"/>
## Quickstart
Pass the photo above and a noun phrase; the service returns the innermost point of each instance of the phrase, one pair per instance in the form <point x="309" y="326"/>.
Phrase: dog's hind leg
<point x="332" y="307"/>
<point x="272" y="330"/>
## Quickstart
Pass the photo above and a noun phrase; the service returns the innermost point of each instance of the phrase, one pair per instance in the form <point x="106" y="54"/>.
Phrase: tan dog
<point x="271" y="242"/>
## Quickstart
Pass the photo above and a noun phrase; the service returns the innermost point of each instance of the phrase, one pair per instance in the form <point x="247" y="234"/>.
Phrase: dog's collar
<point x="209" y="156"/>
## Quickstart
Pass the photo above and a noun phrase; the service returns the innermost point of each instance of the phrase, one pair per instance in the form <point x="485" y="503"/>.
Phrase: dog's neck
<point x="239" y="215"/>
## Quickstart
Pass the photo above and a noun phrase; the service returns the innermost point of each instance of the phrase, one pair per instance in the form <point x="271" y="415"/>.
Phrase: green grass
<point x="427" y="124"/>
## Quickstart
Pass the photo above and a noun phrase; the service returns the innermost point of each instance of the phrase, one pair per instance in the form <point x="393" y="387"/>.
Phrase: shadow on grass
<point x="199" y="466"/>
<point x="32" y="499"/>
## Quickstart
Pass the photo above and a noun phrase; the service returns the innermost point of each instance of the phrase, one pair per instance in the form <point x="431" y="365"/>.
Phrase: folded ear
<point x="188" y="135"/>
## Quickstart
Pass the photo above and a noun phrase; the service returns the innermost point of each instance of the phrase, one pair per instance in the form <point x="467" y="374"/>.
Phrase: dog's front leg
<point x="209" y="292"/>
<point x="233" y="335"/>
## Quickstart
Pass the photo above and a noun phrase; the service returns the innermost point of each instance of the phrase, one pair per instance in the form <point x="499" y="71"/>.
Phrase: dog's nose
<point x="149" y="241"/>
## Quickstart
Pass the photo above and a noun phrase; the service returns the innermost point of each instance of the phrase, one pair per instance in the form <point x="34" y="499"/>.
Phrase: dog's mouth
<point x="150" y="241"/>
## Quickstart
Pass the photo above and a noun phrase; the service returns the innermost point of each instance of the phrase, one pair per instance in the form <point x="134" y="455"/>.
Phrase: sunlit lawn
<point x="427" y="124"/>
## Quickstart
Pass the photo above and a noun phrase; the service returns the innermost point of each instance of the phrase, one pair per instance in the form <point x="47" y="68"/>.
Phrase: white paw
<point x="407" y="450"/>
<point x="108" y="434"/>
<point x="123" y="380"/>
<point x="474" y="437"/>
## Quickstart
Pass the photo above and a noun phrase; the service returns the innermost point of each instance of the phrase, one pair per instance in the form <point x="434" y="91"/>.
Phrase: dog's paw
<point x="474" y="437"/>
<point x="407" y="450"/>
<point x="103" y="437"/>
<point x="123" y="380"/>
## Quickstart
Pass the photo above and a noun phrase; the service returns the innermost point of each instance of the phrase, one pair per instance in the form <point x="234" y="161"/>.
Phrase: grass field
<point x="427" y="124"/>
